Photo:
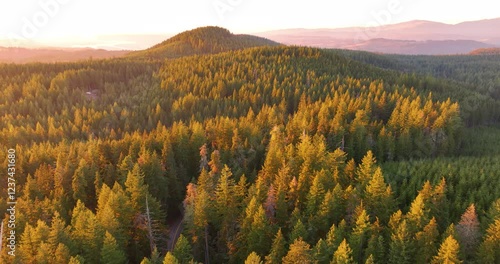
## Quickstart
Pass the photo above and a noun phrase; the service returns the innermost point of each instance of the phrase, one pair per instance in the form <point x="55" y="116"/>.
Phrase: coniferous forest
<point x="218" y="148"/>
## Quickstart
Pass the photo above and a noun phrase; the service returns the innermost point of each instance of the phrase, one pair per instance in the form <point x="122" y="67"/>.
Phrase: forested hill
<point x="204" y="40"/>
<point x="271" y="153"/>
<point x="472" y="80"/>
<point x="486" y="51"/>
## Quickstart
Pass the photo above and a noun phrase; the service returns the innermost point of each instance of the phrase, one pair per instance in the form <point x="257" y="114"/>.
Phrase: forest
<point x="201" y="150"/>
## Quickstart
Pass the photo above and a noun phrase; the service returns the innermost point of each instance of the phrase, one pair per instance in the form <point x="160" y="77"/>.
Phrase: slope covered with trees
<point x="204" y="40"/>
<point x="266" y="154"/>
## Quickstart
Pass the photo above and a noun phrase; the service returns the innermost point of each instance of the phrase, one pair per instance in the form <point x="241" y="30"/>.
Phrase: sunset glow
<point x="45" y="20"/>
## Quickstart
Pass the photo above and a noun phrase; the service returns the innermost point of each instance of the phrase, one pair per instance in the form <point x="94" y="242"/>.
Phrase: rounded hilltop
<point x="203" y="40"/>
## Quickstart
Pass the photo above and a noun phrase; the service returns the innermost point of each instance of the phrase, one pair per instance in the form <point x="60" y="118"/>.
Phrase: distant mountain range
<point x="414" y="37"/>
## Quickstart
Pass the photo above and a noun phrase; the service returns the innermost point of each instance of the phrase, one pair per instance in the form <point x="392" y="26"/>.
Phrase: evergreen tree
<point x="62" y="254"/>
<point x="298" y="231"/>
<point x="278" y="249"/>
<point x="418" y="214"/>
<point x="401" y="246"/>
<point x="299" y="252"/>
<point x="76" y="260"/>
<point x="376" y="248"/>
<point x="343" y="255"/>
<point x="489" y="251"/>
<point x="182" y="250"/>
<point x="426" y="242"/>
<point x="170" y="259"/>
<point x="359" y="236"/>
<point x="136" y="188"/>
<point x="43" y="255"/>
<point x="226" y="206"/>
<point x="321" y="252"/>
<point x="365" y="170"/>
<point x="468" y="233"/>
<point x="378" y="197"/>
<point x="370" y="260"/>
<point x="110" y="252"/>
<point x="448" y="252"/>
<point x="253" y="258"/>
<point x="86" y="233"/>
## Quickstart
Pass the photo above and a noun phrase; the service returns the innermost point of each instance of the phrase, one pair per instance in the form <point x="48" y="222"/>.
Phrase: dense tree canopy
<point x="261" y="155"/>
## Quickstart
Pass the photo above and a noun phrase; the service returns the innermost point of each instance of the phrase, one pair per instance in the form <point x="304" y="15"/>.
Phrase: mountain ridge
<point x="481" y="31"/>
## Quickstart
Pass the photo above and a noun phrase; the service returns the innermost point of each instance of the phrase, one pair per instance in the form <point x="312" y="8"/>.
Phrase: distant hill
<point x="204" y="40"/>
<point x="49" y="55"/>
<point x="428" y="37"/>
<point x="486" y="51"/>
<point x="412" y="47"/>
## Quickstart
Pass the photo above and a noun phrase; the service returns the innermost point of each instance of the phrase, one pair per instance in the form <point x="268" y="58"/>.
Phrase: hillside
<point x="260" y="152"/>
<point x="50" y="55"/>
<point x="486" y="51"/>
<point x="205" y="40"/>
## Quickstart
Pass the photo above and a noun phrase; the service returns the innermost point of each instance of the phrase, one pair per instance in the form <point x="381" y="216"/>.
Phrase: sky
<point x="39" y="20"/>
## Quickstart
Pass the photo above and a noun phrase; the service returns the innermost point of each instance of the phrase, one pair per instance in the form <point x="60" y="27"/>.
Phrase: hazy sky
<point x="48" y="19"/>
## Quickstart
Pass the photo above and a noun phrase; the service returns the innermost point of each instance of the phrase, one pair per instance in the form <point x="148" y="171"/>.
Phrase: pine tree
<point x="253" y="258"/>
<point x="259" y="239"/>
<point x="376" y="248"/>
<point x="86" y="233"/>
<point x="321" y="252"/>
<point x="401" y="246"/>
<point x="370" y="260"/>
<point x="448" y="252"/>
<point x="155" y="258"/>
<point x="298" y="231"/>
<point x="59" y="234"/>
<point x="182" y="250"/>
<point x="28" y="245"/>
<point x="418" y="214"/>
<point x="114" y="213"/>
<point x="468" y="233"/>
<point x="110" y="252"/>
<point x="170" y="259"/>
<point x="43" y="255"/>
<point x="332" y="239"/>
<point x="426" y="242"/>
<point x="450" y="231"/>
<point x="343" y="255"/>
<point x="365" y="170"/>
<point x="359" y="236"/>
<point x="299" y="252"/>
<point x="226" y="207"/>
<point x="62" y="254"/>
<point x="81" y="182"/>
<point x="489" y="251"/>
<point x="77" y="260"/>
<point x="440" y="205"/>
<point x="136" y="188"/>
<point x="378" y="197"/>
<point x="278" y="249"/>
